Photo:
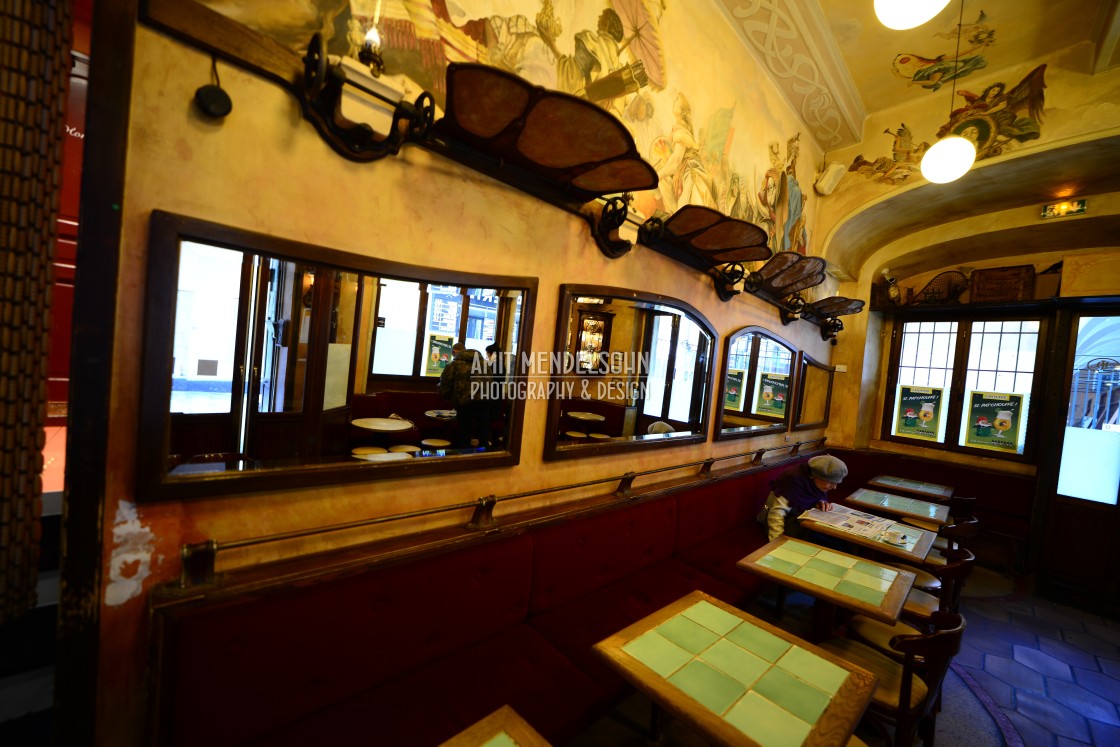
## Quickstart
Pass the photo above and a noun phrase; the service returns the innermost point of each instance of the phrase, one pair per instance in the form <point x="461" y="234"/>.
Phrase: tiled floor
<point x="1052" y="671"/>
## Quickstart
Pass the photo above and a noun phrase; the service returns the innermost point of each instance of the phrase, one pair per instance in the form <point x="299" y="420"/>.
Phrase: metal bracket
<point x="197" y="563"/>
<point x="604" y="229"/>
<point x="625" y="486"/>
<point x="483" y="515"/>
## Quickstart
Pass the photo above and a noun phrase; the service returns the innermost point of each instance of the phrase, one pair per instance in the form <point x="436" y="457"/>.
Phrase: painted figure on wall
<point x="933" y="72"/>
<point x="782" y="200"/>
<point x="683" y="174"/>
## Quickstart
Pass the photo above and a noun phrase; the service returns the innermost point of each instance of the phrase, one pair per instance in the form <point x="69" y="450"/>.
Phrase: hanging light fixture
<point x="951" y="157"/>
<point x="907" y="14"/>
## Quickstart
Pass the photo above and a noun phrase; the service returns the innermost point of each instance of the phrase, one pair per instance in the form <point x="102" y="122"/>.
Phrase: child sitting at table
<point x="797" y="490"/>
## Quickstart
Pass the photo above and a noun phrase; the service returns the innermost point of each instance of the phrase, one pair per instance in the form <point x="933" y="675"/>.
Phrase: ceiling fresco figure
<point x="996" y="118"/>
<point x="903" y="162"/>
<point x="933" y="72"/>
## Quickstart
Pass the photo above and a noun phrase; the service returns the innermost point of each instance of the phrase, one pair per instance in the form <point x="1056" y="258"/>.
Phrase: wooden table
<point x="833" y="579"/>
<point x="913" y="550"/>
<point x="502" y="728"/>
<point x="589" y="417"/>
<point x="914" y="487"/>
<point x="897" y="505"/>
<point x="382" y="425"/>
<point x="738" y="679"/>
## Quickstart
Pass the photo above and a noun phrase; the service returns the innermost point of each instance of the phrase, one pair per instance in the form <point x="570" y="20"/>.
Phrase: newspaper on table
<point x="850" y="520"/>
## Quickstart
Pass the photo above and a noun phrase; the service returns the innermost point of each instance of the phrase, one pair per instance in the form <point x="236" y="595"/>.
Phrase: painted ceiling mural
<point x="610" y="52"/>
<point x="994" y="120"/>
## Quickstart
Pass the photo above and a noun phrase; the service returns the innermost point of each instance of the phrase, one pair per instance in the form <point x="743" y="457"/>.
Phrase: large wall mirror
<point x="814" y="393"/>
<point x="629" y="370"/>
<point x="271" y="363"/>
<point x="756" y="385"/>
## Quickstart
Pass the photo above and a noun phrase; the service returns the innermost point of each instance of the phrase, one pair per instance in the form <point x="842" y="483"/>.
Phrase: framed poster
<point x="439" y="354"/>
<point x="771" y="394"/>
<point x="994" y="421"/>
<point x="918" y="412"/>
<point x="733" y="397"/>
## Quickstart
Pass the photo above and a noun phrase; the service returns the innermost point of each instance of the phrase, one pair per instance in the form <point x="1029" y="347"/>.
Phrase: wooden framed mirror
<point x="756" y="385"/>
<point x="814" y="393"/>
<point x="652" y="383"/>
<point x="273" y="363"/>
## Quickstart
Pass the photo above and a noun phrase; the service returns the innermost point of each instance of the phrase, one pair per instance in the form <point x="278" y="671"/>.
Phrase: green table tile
<point x="710" y="687"/>
<point x="766" y="723"/>
<point x="824" y="566"/>
<point x="657" y="653"/>
<point x="784" y="553"/>
<point x="777" y="564"/>
<point x="837" y="559"/>
<point x="689" y="635"/>
<point x="813" y="669"/>
<point x="758" y="641"/>
<point x="815" y="577"/>
<point x="735" y="661"/>
<point x="801" y="547"/>
<point x="796" y="696"/>
<point x="860" y="592"/>
<point x="871" y="582"/>
<point x="500" y="739"/>
<point x="712" y="617"/>
<point x="870" y="569"/>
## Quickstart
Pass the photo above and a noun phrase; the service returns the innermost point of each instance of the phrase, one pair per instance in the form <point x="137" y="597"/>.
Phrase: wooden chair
<point x="909" y="690"/>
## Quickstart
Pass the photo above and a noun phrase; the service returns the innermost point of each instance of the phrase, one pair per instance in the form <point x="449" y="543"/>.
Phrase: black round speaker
<point x="212" y="101"/>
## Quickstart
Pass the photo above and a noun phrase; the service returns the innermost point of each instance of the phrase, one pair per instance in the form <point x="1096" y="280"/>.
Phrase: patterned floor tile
<point x="989" y="643"/>
<point x="1041" y="628"/>
<point x="1104" y="733"/>
<point x="1088" y="704"/>
<point x="1104" y="632"/>
<point x="1031" y="733"/>
<point x="1052" y="716"/>
<point x="1109" y="666"/>
<point x="969" y="656"/>
<point x="1014" y="674"/>
<point x="998" y="690"/>
<point x="1090" y="643"/>
<point x="1071" y="655"/>
<point x="1013" y="634"/>
<point x="1043" y="663"/>
<point x="1099" y="683"/>
<point x="989" y="610"/>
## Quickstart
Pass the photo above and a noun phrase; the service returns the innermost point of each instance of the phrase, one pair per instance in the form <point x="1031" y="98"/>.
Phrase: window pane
<point x="1028" y="344"/>
<point x="1012" y="326"/>
<point x="684" y="369"/>
<point x="208" y="296"/>
<point x="287" y="332"/>
<point x="395" y="342"/>
<point x="658" y="364"/>
<point x="989" y="350"/>
<point x="945" y="327"/>
<point x="1005" y="382"/>
<point x="1023" y="383"/>
<point x="1090" y="463"/>
<point x="970" y="380"/>
<point x="1008" y="353"/>
<point x="1030" y="326"/>
<point x="925" y="350"/>
<point x="482" y="317"/>
<point x="986" y="381"/>
<point x="909" y="349"/>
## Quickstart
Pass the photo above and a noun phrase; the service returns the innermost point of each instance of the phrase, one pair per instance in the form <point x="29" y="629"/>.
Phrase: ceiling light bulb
<point x="948" y="160"/>
<point x="907" y="14"/>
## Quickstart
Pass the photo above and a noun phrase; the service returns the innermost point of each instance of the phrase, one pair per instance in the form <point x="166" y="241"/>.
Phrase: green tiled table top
<point x="502" y="728"/>
<point x="763" y="685"/>
<point x="857" y="584"/>
<point x="900" y="505"/>
<point x="930" y="489"/>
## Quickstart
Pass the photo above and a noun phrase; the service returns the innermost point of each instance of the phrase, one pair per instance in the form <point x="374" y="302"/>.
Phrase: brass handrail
<point x="199" y="559"/>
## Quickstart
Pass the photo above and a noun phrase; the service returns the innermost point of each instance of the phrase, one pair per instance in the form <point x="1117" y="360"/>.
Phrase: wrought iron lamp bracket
<point x="604" y="227"/>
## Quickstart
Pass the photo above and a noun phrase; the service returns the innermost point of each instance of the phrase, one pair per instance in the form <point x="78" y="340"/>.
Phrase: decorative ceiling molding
<point x="792" y="41"/>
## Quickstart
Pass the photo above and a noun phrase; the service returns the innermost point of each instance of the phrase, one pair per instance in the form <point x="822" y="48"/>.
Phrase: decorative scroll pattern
<point x="34" y="52"/>
<point x="773" y="29"/>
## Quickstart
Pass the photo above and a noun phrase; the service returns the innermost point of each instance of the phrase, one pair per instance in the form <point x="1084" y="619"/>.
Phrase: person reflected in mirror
<point x="495" y="395"/>
<point x="455" y="386"/>
<point x="797" y="490"/>
<point x="659" y="426"/>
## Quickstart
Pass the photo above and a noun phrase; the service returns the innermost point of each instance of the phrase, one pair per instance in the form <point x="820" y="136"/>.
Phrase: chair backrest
<point x="928" y="655"/>
<point x="953" y="577"/>
<point x="961" y="508"/>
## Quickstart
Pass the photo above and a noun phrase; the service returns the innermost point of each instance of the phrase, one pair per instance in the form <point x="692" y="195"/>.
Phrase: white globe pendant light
<point x="907" y="14"/>
<point x="948" y="160"/>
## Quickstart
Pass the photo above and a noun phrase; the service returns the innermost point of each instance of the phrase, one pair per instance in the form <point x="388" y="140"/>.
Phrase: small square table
<point x="913" y="549"/>
<point x="930" y="490"/>
<point x="738" y="679"/>
<point x="897" y="505"/>
<point x="502" y="728"/>
<point x="833" y="579"/>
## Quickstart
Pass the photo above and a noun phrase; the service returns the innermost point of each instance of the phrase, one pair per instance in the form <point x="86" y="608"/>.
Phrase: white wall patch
<point x="131" y="561"/>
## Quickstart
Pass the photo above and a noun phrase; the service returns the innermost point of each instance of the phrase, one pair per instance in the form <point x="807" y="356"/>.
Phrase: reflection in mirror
<point x="274" y="363"/>
<point x="630" y="370"/>
<point x="814" y="396"/>
<point x="756" y="386"/>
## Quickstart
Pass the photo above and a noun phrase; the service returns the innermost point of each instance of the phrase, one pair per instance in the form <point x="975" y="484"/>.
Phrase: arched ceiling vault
<point x="1030" y="179"/>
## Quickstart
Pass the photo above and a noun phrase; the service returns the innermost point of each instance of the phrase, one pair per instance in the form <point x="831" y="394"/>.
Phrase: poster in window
<point x="733" y="397"/>
<point x="994" y="421"/>
<point x="771" y="394"/>
<point x="439" y="354"/>
<point x="919" y="412"/>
